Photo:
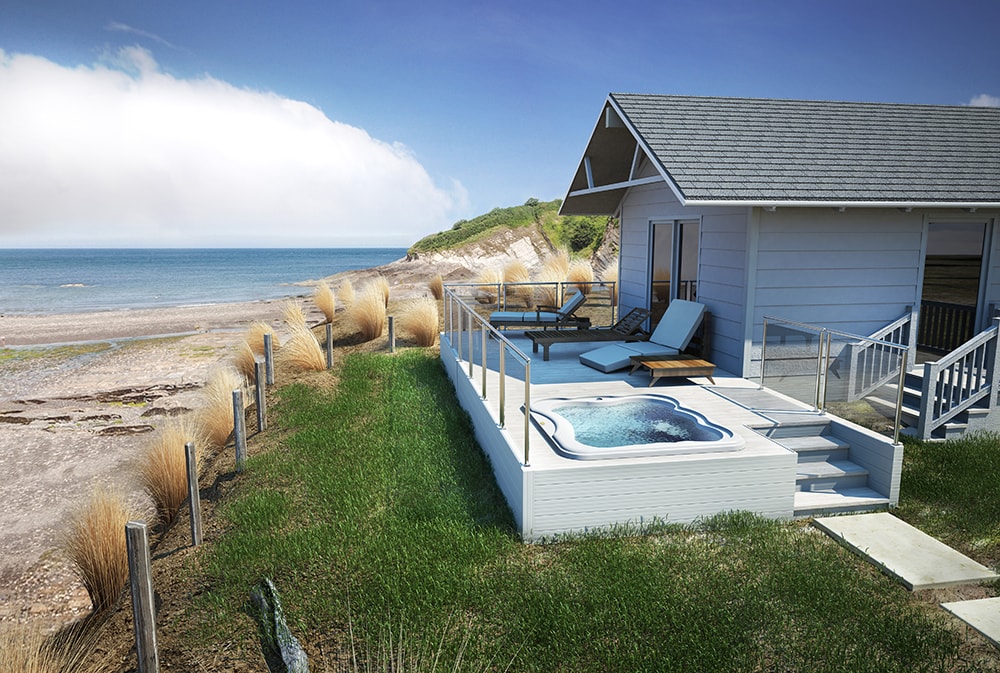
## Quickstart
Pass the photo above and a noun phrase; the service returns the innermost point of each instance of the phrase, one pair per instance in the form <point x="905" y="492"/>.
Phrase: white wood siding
<point x="722" y="260"/>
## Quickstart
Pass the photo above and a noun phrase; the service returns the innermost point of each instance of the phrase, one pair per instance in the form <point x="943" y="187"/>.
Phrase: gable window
<point x="673" y="269"/>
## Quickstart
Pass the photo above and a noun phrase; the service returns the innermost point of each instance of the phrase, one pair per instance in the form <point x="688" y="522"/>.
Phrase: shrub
<point x="215" y="417"/>
<point x="382" y="285"/>
<point x="96" y="547"/>
<point x="163" y="468"/>
<point x="436" y="287"/>
<point x="367" y="314"/>
<point x="582" y="275"/>
<point x="420" y="319"/>
<point x="326" y="301"/>
<point x="294" y="315"/>
<point x="302" y="351"/>
<point x="346" y="292"/>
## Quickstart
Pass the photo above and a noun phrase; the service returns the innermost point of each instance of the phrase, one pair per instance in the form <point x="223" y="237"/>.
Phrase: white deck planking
<point x="554" y="494"/>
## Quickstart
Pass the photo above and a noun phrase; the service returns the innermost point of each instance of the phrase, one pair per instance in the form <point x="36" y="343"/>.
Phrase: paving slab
<point x="914" y="558"/>
<point x="983" y="615"/>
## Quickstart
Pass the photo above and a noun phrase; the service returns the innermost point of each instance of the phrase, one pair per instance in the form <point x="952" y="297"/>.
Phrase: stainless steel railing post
<point x="527" y="410"/>
<point x="483" y="330"/>
<point x="763" y="353"/>
<point x="503" y="384"/>
<point x="899" y="399"/>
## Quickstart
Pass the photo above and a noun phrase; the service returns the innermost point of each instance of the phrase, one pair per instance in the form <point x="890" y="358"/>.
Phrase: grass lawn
<point x="378" y="519"/>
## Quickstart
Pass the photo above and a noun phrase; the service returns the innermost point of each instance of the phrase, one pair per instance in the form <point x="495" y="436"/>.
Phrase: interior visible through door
<point x="953" y="267"/>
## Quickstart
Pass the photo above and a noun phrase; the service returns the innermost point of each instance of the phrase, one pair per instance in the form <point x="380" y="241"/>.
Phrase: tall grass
<point x="548" y="286"/>
<point x="95" y="544"/>
<point x="436" y="286"/>
<point x="215" y="414"/>
<point x="581" y="274"/>
<point x="490" y="279"/>
<point x="420" y="319"/>
<point x="245" y="361"/>
<point x="294" y="315"/>
<point x="302" y="351"/>
<point x="610" y="275"/>
<point x="382" y="285"/>
<point x="325" y="301"/>
<point x="516" y="272"/>
<point x="346" y="292"/>
<point x="255" y="337"/>
<point x="27" y="648"/>
<point x="557" y="263"/>
<point x="367" y="314"/>
<point x="163" y="467"/>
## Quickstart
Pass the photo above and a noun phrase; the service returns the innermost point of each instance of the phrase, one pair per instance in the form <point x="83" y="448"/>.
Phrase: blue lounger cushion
<point x="616" y="356"/>
<point x="524" y="316"/>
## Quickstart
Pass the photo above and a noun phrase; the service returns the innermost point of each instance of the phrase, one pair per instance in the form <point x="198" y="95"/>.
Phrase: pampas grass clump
<point x="558" y="264"/>
<point x="491" y="279"/>
<point x="294" y="315"/>
<point x="96" y="547"/>
<point x="516" y="272"/>
<point x="326" y="301"/>
<point x="346" y="292"/>
<point x="27" y="648"/>
<point x="367" y="314"/>
<point x="581" y="274"/>
<point x="436" y="286"/>
<point x="302" y="351"/>
<point x="255" y="337"/>
<point x="382" y="285"/>
<point x="610" y="275"/>
<point x="245" y="362"/>
<point x="420" y="319"/>
<point x="163" y="467"/>
<point x="548" y="286"/>
<point x="215" y="417"/>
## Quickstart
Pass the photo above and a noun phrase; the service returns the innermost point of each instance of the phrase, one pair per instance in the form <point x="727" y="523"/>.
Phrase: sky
<point x="132" y="123"/>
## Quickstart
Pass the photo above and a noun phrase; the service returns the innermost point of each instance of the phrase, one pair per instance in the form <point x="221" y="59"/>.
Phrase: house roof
<point x="747" y="151"/>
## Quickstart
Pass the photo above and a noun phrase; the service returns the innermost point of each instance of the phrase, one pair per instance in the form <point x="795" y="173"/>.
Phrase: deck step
<point x="830" y="476"/>
<point x="816" y="448"/>
<point x="813" y="503"/>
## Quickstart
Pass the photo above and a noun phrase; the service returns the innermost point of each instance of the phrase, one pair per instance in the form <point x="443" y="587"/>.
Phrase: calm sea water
<point x="67" y="281"/>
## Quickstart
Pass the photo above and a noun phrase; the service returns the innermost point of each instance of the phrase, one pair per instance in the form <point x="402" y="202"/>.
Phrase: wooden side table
<point x="661" y="366"/>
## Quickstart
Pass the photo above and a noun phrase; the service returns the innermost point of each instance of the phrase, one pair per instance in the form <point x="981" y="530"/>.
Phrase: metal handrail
<point x="466" y="313"/>
<point x="824" y="359"/>
<point x="502" y="289"/>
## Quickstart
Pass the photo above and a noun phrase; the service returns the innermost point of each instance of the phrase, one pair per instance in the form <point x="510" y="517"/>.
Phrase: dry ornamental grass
<point x="436" y="287"/>
<point x="367" y="314"/>
<point x="294" y="315"/>
<point x="581" y="274"/>
<point x="490" y="280"/>
<point x="163" y="466"/>
<point x="215" y="416"/>
<point x="302" y="351"/>
<point x="27" y="648"/>
<point x="255" y="337"/>
<point x="346" y="292"/>
<point x="326" y="301"/>
<point x="516" y="272"/>
<point x="610" y="275"/>
<point x="420" y="319"/>
<point x="96" y="547"/>
<point x="382" y="285"/>
<point x="245" y="362"/>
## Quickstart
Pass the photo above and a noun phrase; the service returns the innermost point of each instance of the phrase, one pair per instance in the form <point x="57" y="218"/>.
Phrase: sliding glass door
<point x="673" y="263"/>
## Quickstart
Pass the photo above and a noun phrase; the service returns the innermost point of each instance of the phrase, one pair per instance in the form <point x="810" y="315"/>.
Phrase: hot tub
<point x="630" y="426"/>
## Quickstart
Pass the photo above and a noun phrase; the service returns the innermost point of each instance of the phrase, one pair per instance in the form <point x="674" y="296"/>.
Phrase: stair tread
<point x="813" y="443"/>
<point x="848" y="497"/>
<point x="829" y="468"/>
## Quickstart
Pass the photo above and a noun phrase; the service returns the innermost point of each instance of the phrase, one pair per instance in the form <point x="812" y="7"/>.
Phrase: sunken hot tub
<point x="630" y="426"/>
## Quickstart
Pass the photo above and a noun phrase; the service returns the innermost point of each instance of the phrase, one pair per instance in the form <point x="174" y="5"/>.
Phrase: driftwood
<point x="274" y="630"/>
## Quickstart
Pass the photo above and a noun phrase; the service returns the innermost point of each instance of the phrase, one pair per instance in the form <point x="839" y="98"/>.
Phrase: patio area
<point x="551" y="494"/>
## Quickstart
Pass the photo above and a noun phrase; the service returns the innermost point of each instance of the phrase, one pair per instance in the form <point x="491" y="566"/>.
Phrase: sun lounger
<point x="558" y="317"/>
<point x="671" y="336"/>
<point x="626" y="329"/>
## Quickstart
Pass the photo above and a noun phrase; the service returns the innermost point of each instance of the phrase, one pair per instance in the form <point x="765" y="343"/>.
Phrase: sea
<point x="60" y="280"/>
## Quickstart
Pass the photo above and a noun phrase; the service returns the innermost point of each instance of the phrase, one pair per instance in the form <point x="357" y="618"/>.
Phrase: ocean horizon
<point x="64" y="280"/>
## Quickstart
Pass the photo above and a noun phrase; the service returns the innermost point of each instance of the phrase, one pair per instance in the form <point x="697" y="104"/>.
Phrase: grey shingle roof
<point x="763" y="150"/>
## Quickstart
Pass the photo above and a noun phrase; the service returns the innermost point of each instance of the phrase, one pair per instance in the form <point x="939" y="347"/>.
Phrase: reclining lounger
<point x="671" y="336"/>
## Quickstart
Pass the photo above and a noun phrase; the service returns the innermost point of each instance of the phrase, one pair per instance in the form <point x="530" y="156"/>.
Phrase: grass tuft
<point x="547" y="289"/>
<point x="27" y="648"/>
<point x="420" y="319"/>
<point x="245" y="362"/>
<point x="610" y="275"/>
<point x="436" y="286"/>
<point x="557" y="263"/>
<point x="96" y="547"/>
<point x="367" y="314"/>
<point x="326" y="301"/>
<point x="346" y="292"/>
<point x="382" y="285"/>
<point x="294" y="315"/>
<point x="255" y="337"/>
<point x="581" y="273"/>
<point x="491" y="279"/>
<point x="302" y="351"/>
<point x="163" y="468"/>
<point x="516" y="272"/>
<point x="215" y="416"/>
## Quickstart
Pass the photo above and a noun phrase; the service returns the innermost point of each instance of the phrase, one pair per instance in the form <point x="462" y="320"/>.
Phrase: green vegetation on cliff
<point x="579" y="235"/>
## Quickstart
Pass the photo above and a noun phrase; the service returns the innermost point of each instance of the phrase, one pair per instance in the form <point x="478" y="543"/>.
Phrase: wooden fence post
<point x="261" y="399"/>
<point x="239" y="430"/>
<point x="392" y="335"/>
<point x="141" y="583"/>
<point x="194" y="496"/>
<point x="329" y="346"/>
<point x="269" y="358"/>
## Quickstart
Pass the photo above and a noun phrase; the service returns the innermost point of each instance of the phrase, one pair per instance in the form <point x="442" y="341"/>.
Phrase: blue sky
<point x="325" y="123"/>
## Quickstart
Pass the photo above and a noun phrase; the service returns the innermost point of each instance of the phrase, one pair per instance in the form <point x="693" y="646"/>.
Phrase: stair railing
<point x="959" y="380"/>
<point x="870" y="363"/>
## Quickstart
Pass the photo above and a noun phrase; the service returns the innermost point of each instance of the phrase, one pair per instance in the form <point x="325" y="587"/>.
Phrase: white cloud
<point x="985" y="100"/>
<point x="126" y="154"/>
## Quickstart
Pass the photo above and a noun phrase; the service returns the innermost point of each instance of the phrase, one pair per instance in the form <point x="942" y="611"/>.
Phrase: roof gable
<point x="773" y="152"/>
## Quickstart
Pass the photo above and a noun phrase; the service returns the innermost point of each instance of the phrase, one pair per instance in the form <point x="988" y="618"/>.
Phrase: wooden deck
<point x="550" y="494"/>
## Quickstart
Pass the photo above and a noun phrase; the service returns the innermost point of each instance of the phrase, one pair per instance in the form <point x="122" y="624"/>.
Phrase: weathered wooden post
<point x="239" y="430"/>
<point x="141" y="583"/>
<point x="329" y="346"/>
<point x="260" y="398"/>
<point x="269" y="358"/>
<point x="194" y="496"/>
<point x="392" y="335"/>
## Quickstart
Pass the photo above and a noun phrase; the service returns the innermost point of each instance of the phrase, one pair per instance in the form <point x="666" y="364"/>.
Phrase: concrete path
<point x="983" y="615"/>
<point x="911" y="556"/>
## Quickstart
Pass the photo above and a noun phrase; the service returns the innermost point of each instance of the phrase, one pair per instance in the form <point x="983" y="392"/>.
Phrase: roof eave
<point x="966" y="205"/>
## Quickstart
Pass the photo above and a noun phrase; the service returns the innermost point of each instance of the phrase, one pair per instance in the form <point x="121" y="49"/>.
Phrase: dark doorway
<point x="953" y="266"/>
